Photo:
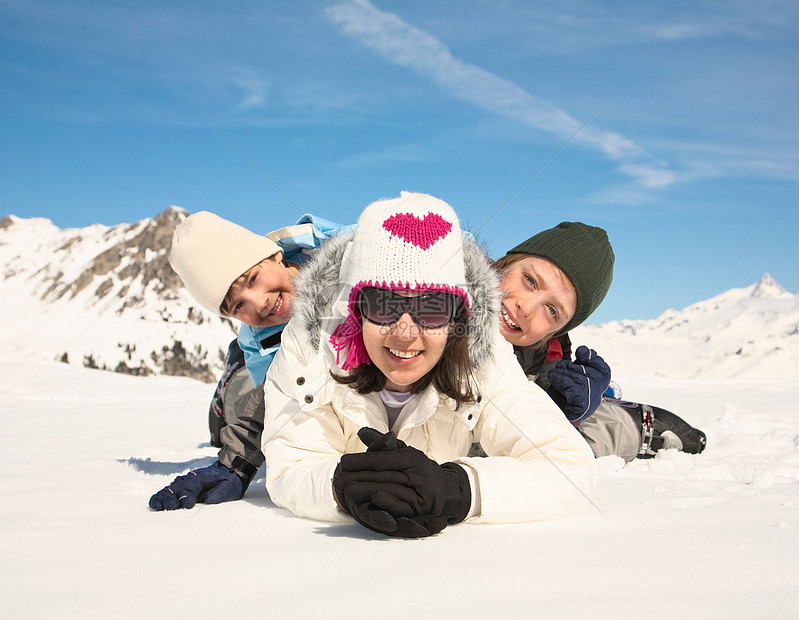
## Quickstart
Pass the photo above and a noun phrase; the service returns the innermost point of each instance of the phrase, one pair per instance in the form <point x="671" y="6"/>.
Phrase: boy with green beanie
<point x="582" y="257"/>
<point x="585" y="256"/>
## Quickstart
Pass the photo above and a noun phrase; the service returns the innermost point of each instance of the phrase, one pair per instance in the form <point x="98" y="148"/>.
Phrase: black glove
<point x="397" y="490"/>
<point x="577" y="387"/>
<point x="375" y="441"/>
<point x="369" y="515"/>
<point x="210" y="485"/>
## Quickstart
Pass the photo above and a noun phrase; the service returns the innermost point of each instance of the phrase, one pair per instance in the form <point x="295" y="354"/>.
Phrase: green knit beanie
<point x="584" y="254"/>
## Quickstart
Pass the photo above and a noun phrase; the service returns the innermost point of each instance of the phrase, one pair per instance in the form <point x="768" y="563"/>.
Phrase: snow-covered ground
<point x="708" y="536"/>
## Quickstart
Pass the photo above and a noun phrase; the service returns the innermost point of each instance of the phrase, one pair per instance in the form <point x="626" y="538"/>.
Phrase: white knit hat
<point x="413" y="242"/>
<point x="209" y="253"/>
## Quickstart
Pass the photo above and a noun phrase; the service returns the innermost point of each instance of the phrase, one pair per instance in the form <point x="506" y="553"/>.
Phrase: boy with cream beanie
<point x="234" y="272"/>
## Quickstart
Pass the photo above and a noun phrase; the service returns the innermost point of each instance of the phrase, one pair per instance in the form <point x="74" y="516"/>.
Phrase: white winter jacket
<point x="538" y="466"/>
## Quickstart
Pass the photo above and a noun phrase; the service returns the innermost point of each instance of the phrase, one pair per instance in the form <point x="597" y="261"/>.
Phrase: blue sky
<point x="673" y="126"/>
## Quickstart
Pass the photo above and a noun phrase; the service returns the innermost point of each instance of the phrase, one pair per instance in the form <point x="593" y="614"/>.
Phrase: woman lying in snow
<point x="403" y="317"/>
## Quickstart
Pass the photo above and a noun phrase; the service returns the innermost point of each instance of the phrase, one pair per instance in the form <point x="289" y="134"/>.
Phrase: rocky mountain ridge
<point x="105" y="297"/>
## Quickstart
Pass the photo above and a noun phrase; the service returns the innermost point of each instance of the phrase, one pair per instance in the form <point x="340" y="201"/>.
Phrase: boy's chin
<point x="516" y="337"/>
<point x="266" y="323"/>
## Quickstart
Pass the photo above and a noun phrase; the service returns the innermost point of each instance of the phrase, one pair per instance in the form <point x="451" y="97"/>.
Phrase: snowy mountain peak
<point x="751" y="332"/>
<point x="105" y="297"/>
<point x="769" y="287"/>
<point x="33" y="222"/>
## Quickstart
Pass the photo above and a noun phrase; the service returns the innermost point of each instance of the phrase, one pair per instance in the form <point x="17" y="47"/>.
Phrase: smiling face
<point x="403" y="351"/>
<point x="539" y="300"/>
<point x="263" y="295"/>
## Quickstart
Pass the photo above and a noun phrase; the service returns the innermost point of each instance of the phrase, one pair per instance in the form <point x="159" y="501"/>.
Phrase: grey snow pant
<point x="612" y="430"/>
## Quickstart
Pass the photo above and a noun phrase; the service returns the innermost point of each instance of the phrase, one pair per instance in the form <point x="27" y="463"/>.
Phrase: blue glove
<point x="576" y="387"/>
<point x="209" y="485"/>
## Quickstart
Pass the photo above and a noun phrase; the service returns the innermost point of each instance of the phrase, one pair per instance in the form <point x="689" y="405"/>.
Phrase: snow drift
<point x="709" y="535"/>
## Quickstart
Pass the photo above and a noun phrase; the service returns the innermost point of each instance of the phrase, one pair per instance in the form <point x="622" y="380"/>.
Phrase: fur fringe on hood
<point x="318" y="284"/>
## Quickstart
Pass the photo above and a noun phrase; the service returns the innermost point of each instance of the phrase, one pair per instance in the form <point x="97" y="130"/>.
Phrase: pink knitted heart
<point x="422" y="232"/>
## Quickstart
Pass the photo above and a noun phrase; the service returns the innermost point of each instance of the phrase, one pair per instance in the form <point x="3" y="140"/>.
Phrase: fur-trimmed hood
<point x="319" y="287"/>
<point x="538" y="466"/>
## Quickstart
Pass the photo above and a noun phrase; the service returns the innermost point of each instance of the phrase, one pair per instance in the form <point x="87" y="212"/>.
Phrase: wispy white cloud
<point x="649" y="176"/>
<point x="253" y="91"/>
<point x="408" y="46"/>
<point x="691" y="30"/>
<point x="583" y="26"/>
<point x="621" y="195"/>
<point x="711" y="20"/>
<point x="396" y="153"/>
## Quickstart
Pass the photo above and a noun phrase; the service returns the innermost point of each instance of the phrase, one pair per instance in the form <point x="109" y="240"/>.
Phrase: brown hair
<point x="452" y="375"/>
<point x="503" y="264"/>
<point x="234" y="287"/>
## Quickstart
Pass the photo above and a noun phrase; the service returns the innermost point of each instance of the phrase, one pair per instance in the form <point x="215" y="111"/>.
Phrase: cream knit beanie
<point x="413" y="242"/>
<point x="209" y="253"/>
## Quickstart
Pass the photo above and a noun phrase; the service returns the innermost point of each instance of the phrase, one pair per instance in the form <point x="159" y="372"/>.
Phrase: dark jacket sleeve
<point x="565" y="346"/>
<point x="542" y="378"/>
<point x="241" y="442"/>
<point x="538" y="361"/>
